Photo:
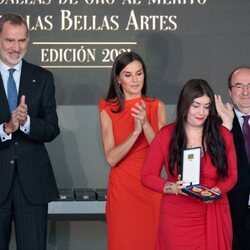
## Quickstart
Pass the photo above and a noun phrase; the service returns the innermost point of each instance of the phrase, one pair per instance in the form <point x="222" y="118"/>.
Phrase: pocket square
<point x="34" y="81"/>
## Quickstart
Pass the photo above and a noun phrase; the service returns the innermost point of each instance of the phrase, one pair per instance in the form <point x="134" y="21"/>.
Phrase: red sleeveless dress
<point x="132" y="211"/>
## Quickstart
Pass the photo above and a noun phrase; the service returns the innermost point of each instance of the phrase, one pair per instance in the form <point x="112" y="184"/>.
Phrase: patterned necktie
<point x="12" y="91"/>
<point x="246" y="134"/>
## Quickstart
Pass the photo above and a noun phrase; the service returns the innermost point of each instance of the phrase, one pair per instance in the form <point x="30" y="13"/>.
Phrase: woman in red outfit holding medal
<point x="187" y="223"/>
<point x="129" y="121"/>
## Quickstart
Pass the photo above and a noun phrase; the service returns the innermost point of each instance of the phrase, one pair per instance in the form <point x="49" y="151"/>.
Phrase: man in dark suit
<point x="239" y="91"/>
<point x="27" y="181"/>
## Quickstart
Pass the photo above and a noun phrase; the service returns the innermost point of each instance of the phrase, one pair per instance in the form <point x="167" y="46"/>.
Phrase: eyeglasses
<point x="240" y="86"/>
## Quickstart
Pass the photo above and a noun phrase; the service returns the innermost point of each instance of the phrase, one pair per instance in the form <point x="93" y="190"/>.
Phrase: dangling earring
<point x="119" y="84"/>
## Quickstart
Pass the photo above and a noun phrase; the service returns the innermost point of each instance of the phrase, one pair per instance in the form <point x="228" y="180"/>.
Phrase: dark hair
<point x="14" y="19"/>
<point x="229" y="82"/>
<point x="115" y="92"/>
<point x="212" y="140"/>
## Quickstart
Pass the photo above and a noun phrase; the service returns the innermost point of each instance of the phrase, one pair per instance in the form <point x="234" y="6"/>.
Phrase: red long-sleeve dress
<point x="187" y="223"/>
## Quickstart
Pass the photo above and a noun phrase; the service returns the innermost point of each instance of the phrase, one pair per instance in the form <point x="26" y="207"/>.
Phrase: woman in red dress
<point x="129" y="121"/>
<point x="187" y="223"/>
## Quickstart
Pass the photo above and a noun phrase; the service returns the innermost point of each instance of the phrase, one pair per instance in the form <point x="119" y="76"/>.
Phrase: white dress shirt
<point x="4" y="70"/>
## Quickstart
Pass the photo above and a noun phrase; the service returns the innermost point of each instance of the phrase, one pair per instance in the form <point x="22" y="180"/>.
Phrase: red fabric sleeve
<point x="227" y="184"/>
<point x="102" y="105"/>
<point x="154" y="161"/>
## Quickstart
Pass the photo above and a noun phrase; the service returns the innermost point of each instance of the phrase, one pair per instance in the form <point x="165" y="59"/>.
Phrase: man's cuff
<point x="26" y="127"/>
<point x="4" y="137"/>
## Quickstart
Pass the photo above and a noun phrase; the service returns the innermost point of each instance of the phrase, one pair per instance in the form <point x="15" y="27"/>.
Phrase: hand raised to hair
<point x="225" y="112"/>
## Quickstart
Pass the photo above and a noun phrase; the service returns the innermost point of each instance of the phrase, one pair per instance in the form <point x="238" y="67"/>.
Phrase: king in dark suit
<point x="27" y="181"/>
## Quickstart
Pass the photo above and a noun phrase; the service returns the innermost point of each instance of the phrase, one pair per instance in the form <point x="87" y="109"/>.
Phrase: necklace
<point x="194" y="139"/>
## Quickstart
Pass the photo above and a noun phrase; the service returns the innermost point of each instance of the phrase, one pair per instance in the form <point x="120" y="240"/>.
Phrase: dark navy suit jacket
<point x="28" y="152"/>
<point x="238" y="196"/>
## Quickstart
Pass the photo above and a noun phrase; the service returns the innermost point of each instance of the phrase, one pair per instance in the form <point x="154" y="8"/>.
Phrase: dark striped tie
<point x="246" y="134"/>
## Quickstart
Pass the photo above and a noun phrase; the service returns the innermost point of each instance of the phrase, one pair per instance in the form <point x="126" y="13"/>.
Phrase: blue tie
<point x="12" y="91"/>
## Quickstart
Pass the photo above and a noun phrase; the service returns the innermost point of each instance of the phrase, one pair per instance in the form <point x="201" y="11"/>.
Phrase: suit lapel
<point x="239" y="141"/>
<point x="25" y="87"/>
